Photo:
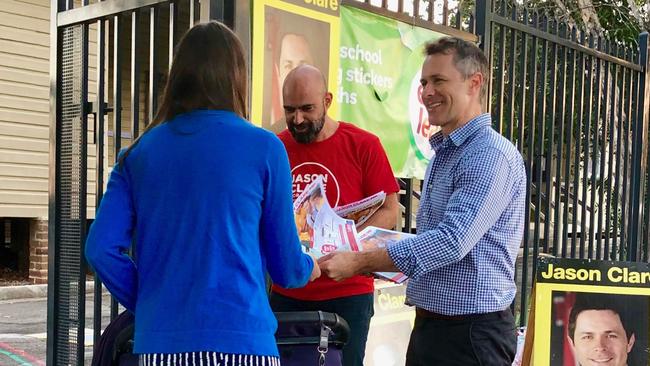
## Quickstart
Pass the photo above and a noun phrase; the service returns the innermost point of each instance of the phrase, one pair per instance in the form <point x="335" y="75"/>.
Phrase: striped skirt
<point x="206" y="359"/>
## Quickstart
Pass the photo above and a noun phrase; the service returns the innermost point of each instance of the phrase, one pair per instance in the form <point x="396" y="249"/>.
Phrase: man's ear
<point x="476" y="81"/>
<point x="328" y="99"/>
<point x="630" y="343"/>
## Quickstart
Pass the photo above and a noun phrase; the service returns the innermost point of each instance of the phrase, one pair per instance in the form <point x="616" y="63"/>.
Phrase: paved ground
<point x="23" y="330"/>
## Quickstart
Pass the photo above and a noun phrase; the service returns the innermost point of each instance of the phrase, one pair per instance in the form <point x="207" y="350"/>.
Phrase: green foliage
<point x="617" y="20"/>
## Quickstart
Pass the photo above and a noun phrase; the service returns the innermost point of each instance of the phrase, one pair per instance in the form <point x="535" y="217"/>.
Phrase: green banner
<point x="379" y="86"/>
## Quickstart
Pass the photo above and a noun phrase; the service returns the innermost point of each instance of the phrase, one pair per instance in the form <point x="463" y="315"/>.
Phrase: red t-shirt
<point x="354" y="166"/>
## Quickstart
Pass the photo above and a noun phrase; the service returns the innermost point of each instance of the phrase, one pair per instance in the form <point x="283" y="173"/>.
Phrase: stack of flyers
<point x="320" y="229"/>
<point x="373" y="238"/>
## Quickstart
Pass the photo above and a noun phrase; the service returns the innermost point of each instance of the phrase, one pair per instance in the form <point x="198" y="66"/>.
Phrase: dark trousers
<point x="481" y="339"/>
<point x="356" y="310"/>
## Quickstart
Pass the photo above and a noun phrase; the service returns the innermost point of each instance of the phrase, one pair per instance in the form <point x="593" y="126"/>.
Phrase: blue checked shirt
<point x="470" y="224"/>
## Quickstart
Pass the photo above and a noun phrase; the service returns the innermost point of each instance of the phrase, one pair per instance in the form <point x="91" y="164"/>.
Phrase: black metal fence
<point x="576" y="106"/>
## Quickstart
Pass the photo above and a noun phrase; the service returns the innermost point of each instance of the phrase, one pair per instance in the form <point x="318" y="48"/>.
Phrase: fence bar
<point x="99" y="162"/>
<point x="117" y="107"/>
<point x="500" y="66"/>
<point x="153" y="65"/>
<point x="192" y="13"/>
<point x="483" y="28"/>
<point x="577" y="203"/>
<point x="511" y="79"/>
<point x="135" y="77"/>
<point x="173" y="10"/>
<point x="560" y="198"/>
<point x="571" y="66"/>
<point x="621" y="153"/>
<point x="603" y="155"/>
<point x="626" y="113"/>
<point x="612" y="130"/>
<point x="594" y="166"/>
<point x="539" y="150"/>
<point x="549" y="150"/>
<point x="640" y="148"/>
<point x="523" y="72"/>
<point x="588" y="64"/>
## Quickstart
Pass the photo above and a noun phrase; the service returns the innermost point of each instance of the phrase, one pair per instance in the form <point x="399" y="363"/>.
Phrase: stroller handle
<point x="299" y="323"/>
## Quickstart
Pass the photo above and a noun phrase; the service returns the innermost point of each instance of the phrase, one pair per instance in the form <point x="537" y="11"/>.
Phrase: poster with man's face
<point x="592" y="313"/>
<point x="286" y="36"/>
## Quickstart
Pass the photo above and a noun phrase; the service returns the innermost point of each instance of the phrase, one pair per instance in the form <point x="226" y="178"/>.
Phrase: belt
<point x="426" y="314"/>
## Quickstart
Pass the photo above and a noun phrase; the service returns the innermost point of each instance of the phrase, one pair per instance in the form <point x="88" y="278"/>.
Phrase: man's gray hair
<point x="468" y="58"/>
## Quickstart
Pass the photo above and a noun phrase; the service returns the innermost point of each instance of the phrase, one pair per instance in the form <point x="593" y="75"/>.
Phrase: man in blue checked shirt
<point x="470" y="223"/>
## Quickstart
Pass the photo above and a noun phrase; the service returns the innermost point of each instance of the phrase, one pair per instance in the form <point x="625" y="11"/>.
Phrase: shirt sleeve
<point x="110" y="237"/>
<point x="377" y="172"/>
<point x="482" y="187"/>
<point x="287" y="265"/>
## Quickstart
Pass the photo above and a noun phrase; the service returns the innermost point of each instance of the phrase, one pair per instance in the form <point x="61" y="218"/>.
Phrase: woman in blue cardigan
<point x="206" y="198"/>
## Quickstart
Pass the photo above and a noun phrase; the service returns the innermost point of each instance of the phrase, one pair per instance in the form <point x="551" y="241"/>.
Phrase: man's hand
<point x="339" y="265"/>
<point x="315" y="272"/>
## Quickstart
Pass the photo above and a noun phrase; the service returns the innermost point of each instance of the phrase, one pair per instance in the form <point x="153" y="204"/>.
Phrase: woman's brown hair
<point x="208" y="72"/>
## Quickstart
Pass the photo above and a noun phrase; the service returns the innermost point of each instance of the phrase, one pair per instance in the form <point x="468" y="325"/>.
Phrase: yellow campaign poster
<point x="287" y="34"/>
<point x="590" y="312"/>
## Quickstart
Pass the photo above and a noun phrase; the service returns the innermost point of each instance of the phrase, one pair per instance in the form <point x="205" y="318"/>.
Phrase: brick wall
<point x="38" y="251"/>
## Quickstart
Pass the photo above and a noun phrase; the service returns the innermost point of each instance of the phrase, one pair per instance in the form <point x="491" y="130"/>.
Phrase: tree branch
<point x="589" y="15"/>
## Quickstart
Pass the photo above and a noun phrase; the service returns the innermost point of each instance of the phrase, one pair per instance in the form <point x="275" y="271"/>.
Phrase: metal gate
<point x="108" y="64"/>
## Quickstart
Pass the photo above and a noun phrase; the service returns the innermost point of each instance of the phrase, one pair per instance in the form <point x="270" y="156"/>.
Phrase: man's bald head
<point x="305" y="77"/>
<point x="306" y="101"/>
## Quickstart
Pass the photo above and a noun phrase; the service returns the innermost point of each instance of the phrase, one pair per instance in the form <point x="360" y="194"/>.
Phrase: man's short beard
<point x="309" y="135"/>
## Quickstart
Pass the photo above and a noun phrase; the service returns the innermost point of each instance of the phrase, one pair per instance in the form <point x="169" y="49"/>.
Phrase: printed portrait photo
<point x="291" y="40"/>
<point x="591" y="328"/>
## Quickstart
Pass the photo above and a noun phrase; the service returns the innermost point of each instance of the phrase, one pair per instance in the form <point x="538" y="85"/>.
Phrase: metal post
<point x="483" y="27"/>
<point x="53" y="186"/>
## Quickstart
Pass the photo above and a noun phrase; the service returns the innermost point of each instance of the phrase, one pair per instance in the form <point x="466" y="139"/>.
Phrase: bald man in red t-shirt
<point x="353" y="165"/>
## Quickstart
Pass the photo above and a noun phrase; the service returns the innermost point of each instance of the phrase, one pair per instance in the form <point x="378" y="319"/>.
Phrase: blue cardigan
<point x="207" y="199"/>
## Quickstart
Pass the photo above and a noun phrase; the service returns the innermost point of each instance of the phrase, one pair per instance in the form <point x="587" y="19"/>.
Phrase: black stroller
<point x="304" y="339"/>
<point x="308" y="338"/>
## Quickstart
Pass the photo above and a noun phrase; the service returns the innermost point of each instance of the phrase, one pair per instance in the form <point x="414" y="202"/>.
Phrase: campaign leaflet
<point x="373" y="238"/>
<point x="320" y="229"/>
<point x="361" y="211"/>
<point x="306" y="208"/>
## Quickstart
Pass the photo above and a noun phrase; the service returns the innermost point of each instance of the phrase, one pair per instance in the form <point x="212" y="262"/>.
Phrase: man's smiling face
<point x="447" y="95"/>
<point x="600" y="339"/>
